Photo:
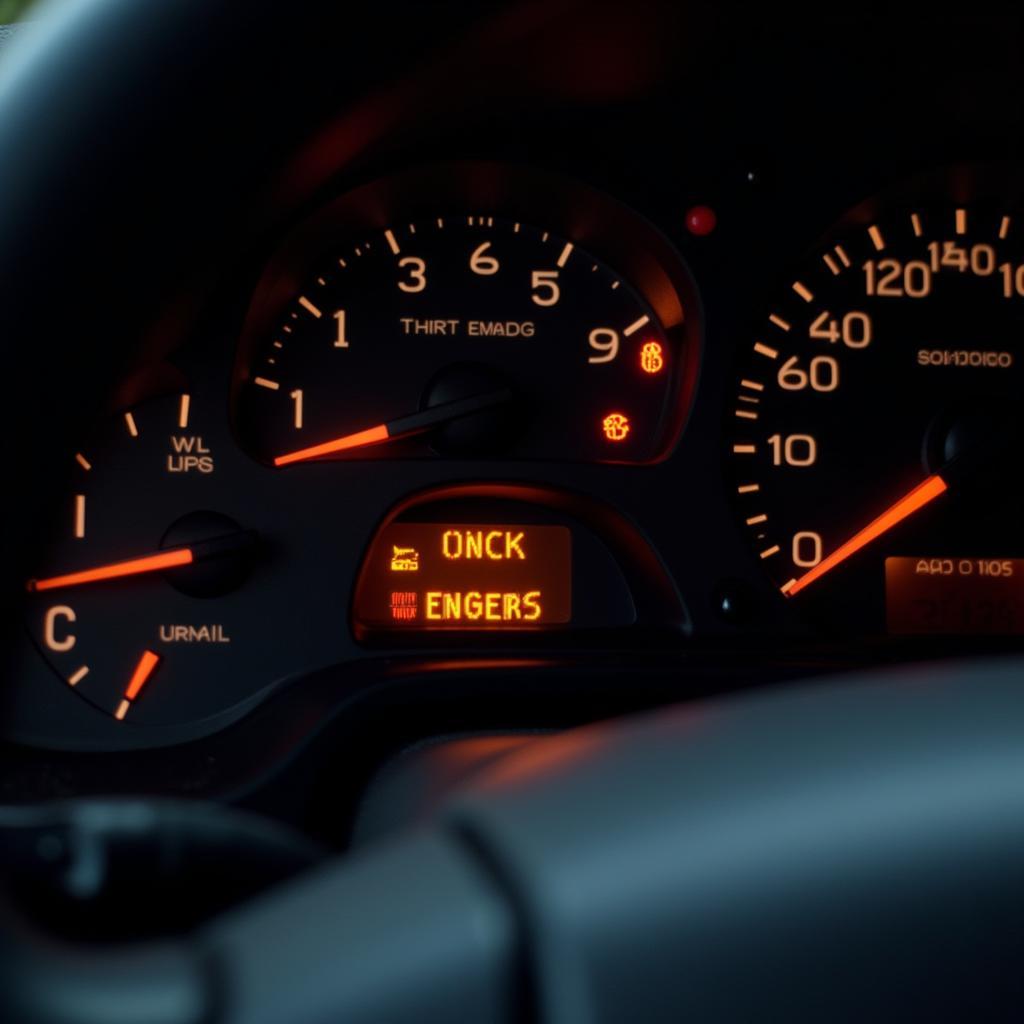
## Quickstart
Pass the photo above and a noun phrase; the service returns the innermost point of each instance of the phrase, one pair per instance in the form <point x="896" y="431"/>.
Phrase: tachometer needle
<point x="404" y="426"/>
<point x="113" y="570"/>
<point x="143" y="670"/>
<point x="923" y="494"/>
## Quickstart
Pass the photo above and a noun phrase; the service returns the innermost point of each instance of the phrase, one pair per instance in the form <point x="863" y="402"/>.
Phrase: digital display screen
<point x="956" y="596"/>
<point x="467" y="576"/>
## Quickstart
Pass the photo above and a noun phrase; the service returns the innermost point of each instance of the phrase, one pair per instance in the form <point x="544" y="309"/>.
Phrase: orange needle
<point x="360" y="439"/>
<point x="910" y="503"/>
<point x="403" y="426"/>
<point x="114" y="570"/>
<point x="147" y="663"/>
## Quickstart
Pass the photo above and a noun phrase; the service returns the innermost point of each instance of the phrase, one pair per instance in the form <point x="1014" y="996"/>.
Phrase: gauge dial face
<point x="139" y="604"/>
<point x="875" y="426"/>
<point x="460" y="336"/>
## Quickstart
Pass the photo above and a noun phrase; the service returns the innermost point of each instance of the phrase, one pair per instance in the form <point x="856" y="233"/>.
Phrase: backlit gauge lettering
<point x="467" y="576"/>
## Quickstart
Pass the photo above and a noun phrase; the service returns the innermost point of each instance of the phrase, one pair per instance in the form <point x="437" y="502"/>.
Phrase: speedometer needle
<point x="923" y="494"/>
<point x="403" y="426"/>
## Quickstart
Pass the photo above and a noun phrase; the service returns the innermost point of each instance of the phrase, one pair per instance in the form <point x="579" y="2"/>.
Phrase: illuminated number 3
<point x="417" y="274"/>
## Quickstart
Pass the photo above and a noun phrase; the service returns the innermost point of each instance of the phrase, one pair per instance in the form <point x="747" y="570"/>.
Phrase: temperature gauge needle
<point x="922" y="495"/>
<point x="145" y="668"/>
<point x="156" y="562"/>
<point x="114" y="570"/>
<point x="404" y="426"/>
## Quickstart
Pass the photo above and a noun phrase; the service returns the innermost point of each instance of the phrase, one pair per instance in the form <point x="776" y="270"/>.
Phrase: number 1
<point x="341" y="341"/>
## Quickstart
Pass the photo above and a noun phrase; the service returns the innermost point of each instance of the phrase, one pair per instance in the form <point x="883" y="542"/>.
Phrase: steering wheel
<point x="847" y="850"/>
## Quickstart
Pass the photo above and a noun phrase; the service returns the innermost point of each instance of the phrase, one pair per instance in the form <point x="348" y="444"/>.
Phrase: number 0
<point x="807" y="549"/>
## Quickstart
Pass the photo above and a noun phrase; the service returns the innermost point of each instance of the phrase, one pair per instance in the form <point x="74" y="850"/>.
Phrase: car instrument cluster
<point x="476" y="411"/>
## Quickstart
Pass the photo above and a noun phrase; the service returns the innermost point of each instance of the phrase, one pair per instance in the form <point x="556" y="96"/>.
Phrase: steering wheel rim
<point x="649" y="869"/>
<point x="845" y="850"/>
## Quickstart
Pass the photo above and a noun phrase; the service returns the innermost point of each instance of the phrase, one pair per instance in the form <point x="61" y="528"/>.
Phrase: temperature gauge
<point x="139" y="598"/>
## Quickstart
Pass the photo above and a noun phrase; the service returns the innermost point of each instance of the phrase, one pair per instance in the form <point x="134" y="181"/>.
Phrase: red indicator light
<point x="652" y="357"/>
<point x="403" y="605"/>
<point x="616" y="426"/>
<point x="701" y="220"/>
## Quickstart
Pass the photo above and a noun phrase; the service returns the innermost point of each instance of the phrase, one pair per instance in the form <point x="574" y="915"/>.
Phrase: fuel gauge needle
<point x="403" y="426"/>
<point x="923" y="494"/>
<point x="143" y="670"/>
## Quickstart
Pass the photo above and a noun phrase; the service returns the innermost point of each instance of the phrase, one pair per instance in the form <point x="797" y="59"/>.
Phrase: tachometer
<point x="876" y="419"/>
<point x="464" y="334"/>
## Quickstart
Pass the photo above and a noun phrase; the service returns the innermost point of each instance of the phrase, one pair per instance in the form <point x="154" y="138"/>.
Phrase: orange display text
<point x="467" y="576"/>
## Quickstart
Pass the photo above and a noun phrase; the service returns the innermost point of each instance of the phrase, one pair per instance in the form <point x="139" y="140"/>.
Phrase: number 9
<point x="605" y="341"/>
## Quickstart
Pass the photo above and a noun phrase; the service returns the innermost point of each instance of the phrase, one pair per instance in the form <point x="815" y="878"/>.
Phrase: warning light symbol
<point x="403" y="605"/>
<point x="652" y="358"/>
<point x="404" y="559"/>
<point x="616" y="426"/>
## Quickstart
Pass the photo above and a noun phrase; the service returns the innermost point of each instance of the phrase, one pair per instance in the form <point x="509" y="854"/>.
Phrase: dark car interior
<point x="511" y="512"/>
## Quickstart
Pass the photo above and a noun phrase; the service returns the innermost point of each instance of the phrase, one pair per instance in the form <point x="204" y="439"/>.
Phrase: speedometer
<point x="875" y="423"/>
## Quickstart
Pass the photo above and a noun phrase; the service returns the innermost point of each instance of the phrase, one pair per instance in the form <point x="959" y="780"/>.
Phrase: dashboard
<point x="635" y="359"/>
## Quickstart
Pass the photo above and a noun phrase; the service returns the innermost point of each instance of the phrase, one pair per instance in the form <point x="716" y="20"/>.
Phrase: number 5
<point x="545" y="281"/>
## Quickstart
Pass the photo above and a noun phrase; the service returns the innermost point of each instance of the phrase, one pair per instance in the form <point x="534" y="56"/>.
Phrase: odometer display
<point x="936" y="596"/>
<point x="876" y="417"/>
<point x="459" y="336"/>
